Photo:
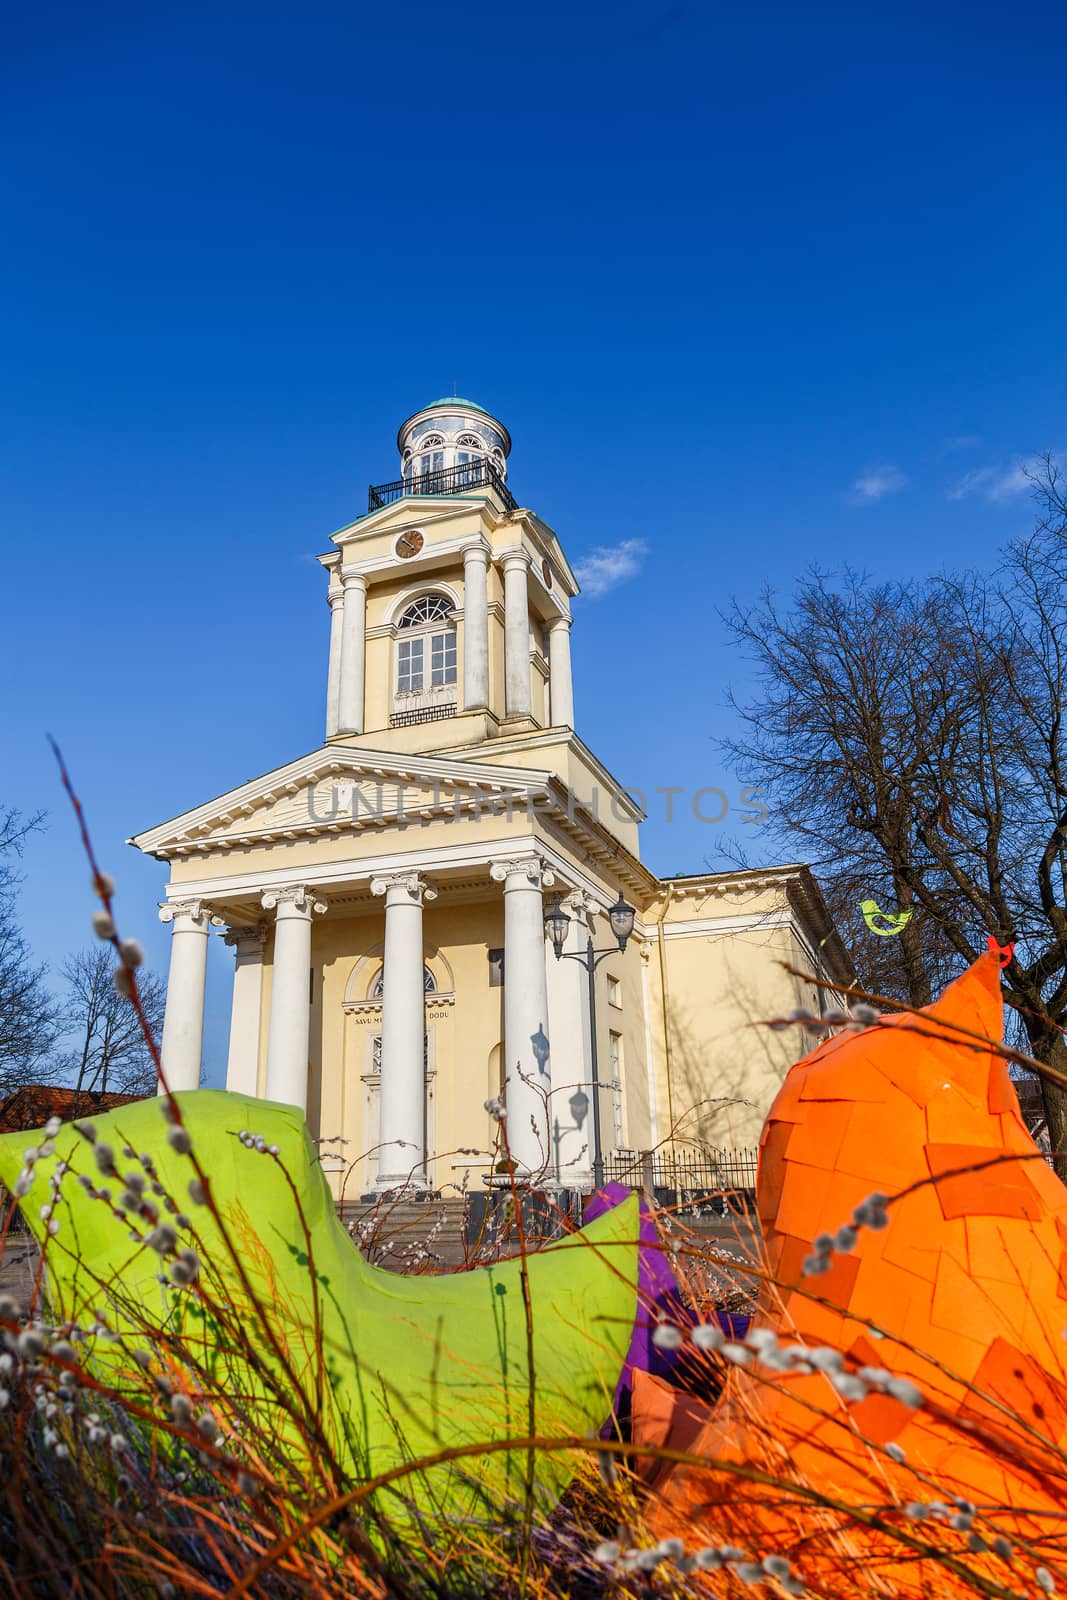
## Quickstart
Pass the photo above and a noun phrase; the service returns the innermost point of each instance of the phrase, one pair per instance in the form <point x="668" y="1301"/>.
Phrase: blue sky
<point x="751" y="287"/>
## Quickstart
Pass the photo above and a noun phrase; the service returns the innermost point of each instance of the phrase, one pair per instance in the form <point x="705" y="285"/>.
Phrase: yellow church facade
<point x="385" y="894"/>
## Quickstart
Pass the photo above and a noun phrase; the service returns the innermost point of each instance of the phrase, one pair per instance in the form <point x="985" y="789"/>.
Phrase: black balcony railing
<point x="693" y="1175"/>
<point x="446" y="480"/>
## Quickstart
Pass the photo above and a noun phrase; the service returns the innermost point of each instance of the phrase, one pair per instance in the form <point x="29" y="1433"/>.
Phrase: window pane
<point x="409" y="664"/>
<point x="443" y="657"/>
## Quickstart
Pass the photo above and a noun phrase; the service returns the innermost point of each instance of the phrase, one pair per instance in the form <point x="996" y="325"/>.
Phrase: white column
<point x="353" y="653"/>
<point x="402" y="1126"/>
<point x="569" y="1030"/>
<point x="518" y="701"/>
<point x="528" y="1077"/>
<point x="560" y="684"/>
<point x="183" y="1021"/>
<point x="242" y="1063"/>
<point x="475" y="628"/>
<point x="290" y="994"/>
<point x="333" y="692"/>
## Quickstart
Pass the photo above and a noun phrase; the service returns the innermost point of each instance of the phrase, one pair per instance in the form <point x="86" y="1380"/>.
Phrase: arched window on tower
<point x="431" y="456"/>
<point x="470" y="453"/>
<point x="425" y="661"/>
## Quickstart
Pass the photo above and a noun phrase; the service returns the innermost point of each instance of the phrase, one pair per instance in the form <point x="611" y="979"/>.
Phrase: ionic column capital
<point x="293" y="900"/>
<point x="189" y="914"/>
<point x="409" y="886"/>
<point x="522" y="871"/>
<point x="254" y="935"/>
<point x="560" y="622"/>
<point x="514" y="560"/>
<point x="335" y="596"/>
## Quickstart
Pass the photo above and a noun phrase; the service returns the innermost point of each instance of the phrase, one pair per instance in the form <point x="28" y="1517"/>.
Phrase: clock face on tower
<point x="409" y="544"/>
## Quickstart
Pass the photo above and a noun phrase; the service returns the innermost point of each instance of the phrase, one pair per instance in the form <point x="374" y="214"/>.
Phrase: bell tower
<point x="450" y="603"/>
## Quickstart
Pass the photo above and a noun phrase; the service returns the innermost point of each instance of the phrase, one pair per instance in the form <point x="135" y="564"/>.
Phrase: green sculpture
<point x="884" y="923"/>
<point x="267" y="1316"/>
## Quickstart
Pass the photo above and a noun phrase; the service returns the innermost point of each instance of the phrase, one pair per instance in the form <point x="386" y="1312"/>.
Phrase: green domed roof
<point x="455" y="400"/>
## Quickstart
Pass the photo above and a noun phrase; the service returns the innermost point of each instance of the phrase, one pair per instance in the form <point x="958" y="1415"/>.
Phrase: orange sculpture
<point x="916" y="1439"/>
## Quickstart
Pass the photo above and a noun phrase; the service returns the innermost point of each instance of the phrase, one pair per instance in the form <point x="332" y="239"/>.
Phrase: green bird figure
<point x="884" y="923"/>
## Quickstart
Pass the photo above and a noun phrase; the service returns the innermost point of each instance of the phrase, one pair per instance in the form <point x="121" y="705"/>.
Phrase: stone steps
<point x="409" y="1235"/>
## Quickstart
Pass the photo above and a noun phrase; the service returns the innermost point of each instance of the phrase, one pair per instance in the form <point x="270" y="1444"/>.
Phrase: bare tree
<point x="911" y="739"/>
<point x="107" y="1053"/>
<point x="28" y="1025"/>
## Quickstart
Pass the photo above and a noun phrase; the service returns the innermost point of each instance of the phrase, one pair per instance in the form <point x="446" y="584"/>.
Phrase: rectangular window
<point x="442" y="658"/>
<point x="614" y="991"/>
<point x="409" y="666"/>
<point x="615" y="1061"/>
<point x="496" y="969"/>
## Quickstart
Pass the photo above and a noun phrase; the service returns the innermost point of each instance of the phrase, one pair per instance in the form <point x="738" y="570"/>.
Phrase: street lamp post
<point x="621" y="919"/>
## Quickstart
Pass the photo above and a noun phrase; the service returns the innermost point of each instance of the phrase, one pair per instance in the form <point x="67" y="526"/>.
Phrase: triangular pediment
<point x="334" y="790"/>
<point x="421" y="511"/>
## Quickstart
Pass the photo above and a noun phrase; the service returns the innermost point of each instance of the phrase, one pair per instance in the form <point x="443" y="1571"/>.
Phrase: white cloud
<point x="975" y="482"/>
<point x="608" y="565"/>
<point x="995" y="483"/>
<point x="875" y="484"/>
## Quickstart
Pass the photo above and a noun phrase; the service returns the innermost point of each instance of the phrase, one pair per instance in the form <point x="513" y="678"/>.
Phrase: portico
<point x="387" y="909"/>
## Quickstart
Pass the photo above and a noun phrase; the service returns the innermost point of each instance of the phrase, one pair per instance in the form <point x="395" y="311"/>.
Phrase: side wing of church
<point x="385" y="895"/>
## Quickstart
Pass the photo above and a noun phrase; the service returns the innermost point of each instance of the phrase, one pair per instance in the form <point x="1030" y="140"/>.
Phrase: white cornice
<point x="708" y="927"/>
<point x="543" y="796"/>
<point x="464" y="856"/>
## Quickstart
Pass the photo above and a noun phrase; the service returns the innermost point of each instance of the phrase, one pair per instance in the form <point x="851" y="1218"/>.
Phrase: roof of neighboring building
<point x="31" y="1106"/>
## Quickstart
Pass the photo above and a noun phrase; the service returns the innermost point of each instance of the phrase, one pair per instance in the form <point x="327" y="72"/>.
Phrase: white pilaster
<point x="475" y="628"/>
<point x="650" y="1054"/>
<point x="402" y="1125"/>
<point x="183" y="1021"/>
<point x="560" y="683"/>
<point x="569" y="1030"/>
<point x="290" y="994"/>
<point x="528" y="1077"/>
<point x="353" y="653"/>
<point x="518" y="701"/>
<point x="336" y="598"/>
<point x="242" y="1062"/>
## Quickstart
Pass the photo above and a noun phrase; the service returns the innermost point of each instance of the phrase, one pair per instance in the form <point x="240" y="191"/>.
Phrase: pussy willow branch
<point x="985" y="1044"/>
<point x="548" y="1444"/>
<point x="531" y="1374"/>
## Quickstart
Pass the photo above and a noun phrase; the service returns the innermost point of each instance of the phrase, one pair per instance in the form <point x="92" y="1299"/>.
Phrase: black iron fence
<point x="445" y="480"/>
<point x="689" y="1174"/>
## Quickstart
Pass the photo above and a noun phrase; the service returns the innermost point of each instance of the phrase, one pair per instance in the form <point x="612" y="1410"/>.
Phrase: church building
<point x="385" y="895"/>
